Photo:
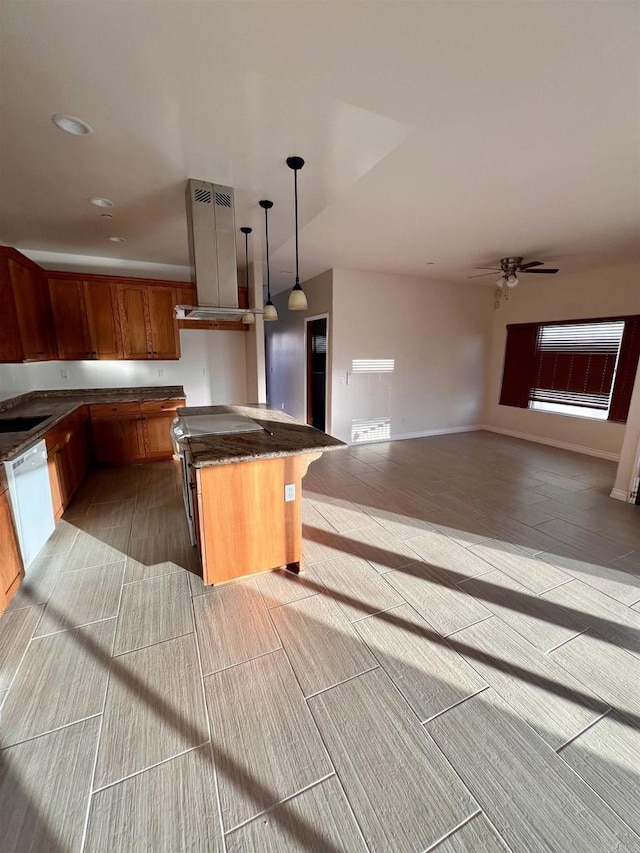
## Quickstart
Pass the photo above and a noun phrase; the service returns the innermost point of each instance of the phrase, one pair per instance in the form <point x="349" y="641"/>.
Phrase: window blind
<point x="575" y="363"/>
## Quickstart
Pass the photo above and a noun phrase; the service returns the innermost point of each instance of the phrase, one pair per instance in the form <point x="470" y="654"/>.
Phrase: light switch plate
<point x="290" y="492"/>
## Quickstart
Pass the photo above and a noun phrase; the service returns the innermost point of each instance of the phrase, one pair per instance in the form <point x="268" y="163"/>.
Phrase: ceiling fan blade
<point x="495" y="269"/>
<point x="545" y="272"/>
<point x="530" y="264"/>
<point x="480" y="275"/>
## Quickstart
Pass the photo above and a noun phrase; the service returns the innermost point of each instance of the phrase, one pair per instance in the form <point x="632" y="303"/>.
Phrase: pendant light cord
<point x="266" y="231"/>
<point x="246" y="260"/>
<point x="295" y="204"/>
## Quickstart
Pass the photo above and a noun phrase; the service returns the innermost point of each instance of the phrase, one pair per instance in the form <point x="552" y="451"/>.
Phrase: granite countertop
<point x="60" y="404"/>
<point x="282" y="436"/>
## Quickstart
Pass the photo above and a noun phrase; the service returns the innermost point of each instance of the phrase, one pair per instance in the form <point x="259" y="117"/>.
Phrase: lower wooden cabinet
<point x="125" y="433"/>
<point x="11" y="570"/>
<point x="67" y="458"/>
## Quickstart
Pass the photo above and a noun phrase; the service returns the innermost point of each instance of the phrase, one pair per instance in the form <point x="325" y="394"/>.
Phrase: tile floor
<point x="457" y="670"/>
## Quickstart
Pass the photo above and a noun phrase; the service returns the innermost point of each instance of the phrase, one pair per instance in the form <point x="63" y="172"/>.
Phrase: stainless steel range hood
<point x="212" y="252"/>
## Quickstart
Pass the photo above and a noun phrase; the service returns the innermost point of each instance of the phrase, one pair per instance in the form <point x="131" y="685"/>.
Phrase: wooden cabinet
<point x="125" y="433"/>
<point x="11" y="570"/>
<point x="149" y="328"/>
<point x="26" y="326"/>
<point x="67" y="458"/>
<point x="86" y="318"/>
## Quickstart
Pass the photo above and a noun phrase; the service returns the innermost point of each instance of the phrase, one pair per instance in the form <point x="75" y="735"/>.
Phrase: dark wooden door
<point x="317" y="373"/>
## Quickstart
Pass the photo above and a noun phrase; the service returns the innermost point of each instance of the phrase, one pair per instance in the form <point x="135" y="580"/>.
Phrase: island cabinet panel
<point x="11" y="570"/>
<point x="32" y="312"/>
<point x="70" y="318"/>
<point x="135" y="321"/>
<point x="246" y="525"/>
<point x="103" y="318"/>
<point x="165" y="339"/>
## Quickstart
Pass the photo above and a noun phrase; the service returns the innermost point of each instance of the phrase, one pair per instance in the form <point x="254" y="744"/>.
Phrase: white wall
<point x="438" y="336"/>
<point x="285" y="348"/>
<point x="212" y="370"/>
<point x="599" y="293"/>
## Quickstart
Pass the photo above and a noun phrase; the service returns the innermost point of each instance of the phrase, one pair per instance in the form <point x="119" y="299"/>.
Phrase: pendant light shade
<point x="297" y="298"/>
<point x="248" y="319"/>
<point x="270" y="312"/>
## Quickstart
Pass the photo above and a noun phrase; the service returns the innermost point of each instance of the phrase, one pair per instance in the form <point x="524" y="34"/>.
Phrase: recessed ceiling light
<point x="71" y="124"/>
<point x="116" y="239"/>
<point x="100" y="202"/>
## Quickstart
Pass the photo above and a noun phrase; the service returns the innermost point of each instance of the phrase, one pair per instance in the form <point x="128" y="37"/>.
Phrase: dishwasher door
<point x="30" y="498"/>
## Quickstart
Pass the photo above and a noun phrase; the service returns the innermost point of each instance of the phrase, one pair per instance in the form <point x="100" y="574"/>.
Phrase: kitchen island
<point x="244" y="491"/>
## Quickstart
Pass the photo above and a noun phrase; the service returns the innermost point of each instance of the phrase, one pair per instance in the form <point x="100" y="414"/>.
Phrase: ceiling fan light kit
<point x="509" y="269"/>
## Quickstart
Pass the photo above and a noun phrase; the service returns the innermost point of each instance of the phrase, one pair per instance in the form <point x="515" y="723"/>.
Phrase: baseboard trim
<point x="619" y="495"/>
<point x="421" y="434"/>
<point x="563" y="445"/>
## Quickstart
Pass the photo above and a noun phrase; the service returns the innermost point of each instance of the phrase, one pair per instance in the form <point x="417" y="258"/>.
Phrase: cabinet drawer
<point x="110" y="410"/>
<point x="153" y="406"/>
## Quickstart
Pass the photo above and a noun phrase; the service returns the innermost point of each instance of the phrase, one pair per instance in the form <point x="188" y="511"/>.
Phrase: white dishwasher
<point x="30" y="498"/>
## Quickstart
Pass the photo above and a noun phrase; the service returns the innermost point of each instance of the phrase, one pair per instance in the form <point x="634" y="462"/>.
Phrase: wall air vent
<point x="223" y="199"/>
<point x="203" y="196"/>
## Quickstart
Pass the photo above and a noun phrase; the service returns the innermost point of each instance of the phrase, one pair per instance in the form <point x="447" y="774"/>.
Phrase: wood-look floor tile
<point x="520" y="565"/>
<point x="317" y="819"/>
<point x="537" y="688"/>
<point x="233" y="625"/>
<point x="283" y="587"/>
<point x="39" y="581"/>
<point x="343" y="515"/>
<point x="107" y="545"/>
<point x="609" y="579"/>
<point x="502" y="761"/>
<point x="152" y="611"/>
<point x="426" y="670"/>
<point x="379" y="548"/>
<point x="321" y="643"/>
<point x="136" y="571"/>
<point x="170" y="807"/>
<point x="156" y="521"/>
<point x="320" y="545"/>
<point x="356" y="586"/>
<point x="86" y="595"/>
<point x="109" y="514"/>
<point x="150" y="551"/>
<point x="265" y="743"/>
<point x="399" y="524"/>
<point x="609" y="618"/>
<point x="610" y="672"/>
<point x="61" y="539"/>
<point x="62" y="679"/>
<point x="446" y="607"/>
<point x="45" y="785"/>
<point x="154" y="709"/>
<point x="598" y="546"/>
<point x="403" y="793"/>
<point x="16" y="629"/>
<point x="443" y="553"/>
<point x="607" y="757"/>
<point x="476" y="836"/>
<point x="542" y="623"/>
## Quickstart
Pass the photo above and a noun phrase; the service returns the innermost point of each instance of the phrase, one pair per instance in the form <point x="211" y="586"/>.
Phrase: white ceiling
<point x="445" y="132"/>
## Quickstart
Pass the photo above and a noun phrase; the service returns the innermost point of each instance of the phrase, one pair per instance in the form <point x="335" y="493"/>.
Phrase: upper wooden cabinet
<point x="165" y="339"/>
<point x="70" y="318"/>
<point x="149" y="328"/>
<point x="103" y="319"/>
<point x="26" y="326"/>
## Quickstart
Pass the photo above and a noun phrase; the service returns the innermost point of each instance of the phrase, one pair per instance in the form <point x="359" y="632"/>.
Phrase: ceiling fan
<point x="510" y="268"/>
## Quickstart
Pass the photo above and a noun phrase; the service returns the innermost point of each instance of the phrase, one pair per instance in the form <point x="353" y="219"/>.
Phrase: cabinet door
<point x="10" y="561"/>
<point x="69" y="318"/>
<point x="134" y="320"/>
<point x="10" y="343"/>
<point x="157" y="436"/>
<point x="165" y="338"/>
<point x="118" y="440"/>
<point x="33" y="309"/>
<point x="103" y="319"/>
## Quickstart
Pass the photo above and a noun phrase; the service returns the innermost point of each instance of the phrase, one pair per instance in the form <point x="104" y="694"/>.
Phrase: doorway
<point x="316" y="335"/>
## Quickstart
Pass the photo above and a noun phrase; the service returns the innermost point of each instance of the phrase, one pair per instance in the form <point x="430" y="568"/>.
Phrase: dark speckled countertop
<point x="282" y="436"/>
<point x="60" y="404"/>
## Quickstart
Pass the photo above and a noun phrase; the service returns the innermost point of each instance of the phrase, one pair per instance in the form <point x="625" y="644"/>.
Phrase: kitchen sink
<point x="21" y="424"/>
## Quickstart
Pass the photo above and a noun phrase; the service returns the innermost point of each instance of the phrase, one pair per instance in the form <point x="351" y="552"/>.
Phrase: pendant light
<point x="297" y="298"/>
<point x="270" y="312"/>
<point x="247" y="318"/>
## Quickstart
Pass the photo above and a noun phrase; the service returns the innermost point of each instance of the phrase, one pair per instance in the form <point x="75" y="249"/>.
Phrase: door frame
<point x="327" y="389"/>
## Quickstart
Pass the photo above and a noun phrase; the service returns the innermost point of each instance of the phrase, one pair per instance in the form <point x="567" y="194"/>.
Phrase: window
<point x="584" y="368"/>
